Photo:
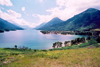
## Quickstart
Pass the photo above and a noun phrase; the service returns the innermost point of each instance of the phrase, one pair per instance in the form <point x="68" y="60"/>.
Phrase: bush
<point x="92" y="41"/>
<point x="83" y="45"/>
<point x="98" y="39"/>
<point x="96" y="45"/>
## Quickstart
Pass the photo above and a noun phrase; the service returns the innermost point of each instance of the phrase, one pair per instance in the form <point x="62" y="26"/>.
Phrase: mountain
<point x="50" y="23"/>
<point x="6" y="26"/>
<point x="37" y="27"/>
<point x="89" y="19"/>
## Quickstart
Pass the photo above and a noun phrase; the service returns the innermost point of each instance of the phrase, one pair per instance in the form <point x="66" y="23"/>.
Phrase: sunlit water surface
<point x="32" y="39"/>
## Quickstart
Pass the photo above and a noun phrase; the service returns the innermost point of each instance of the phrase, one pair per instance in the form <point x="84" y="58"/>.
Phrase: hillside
<point x="59" y="58"/>
<point x="37" y="27"/>
<point x="87" y="54"/>
<point x="87" y="20"/>
<point x="50" y="23"/>
<point x="5" y="25"/>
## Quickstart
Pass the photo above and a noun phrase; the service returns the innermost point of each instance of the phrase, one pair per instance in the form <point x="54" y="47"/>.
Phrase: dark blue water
<point x="32" y="39"/>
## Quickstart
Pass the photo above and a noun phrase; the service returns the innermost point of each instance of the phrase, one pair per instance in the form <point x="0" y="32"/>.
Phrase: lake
<point x="33" y="39"/>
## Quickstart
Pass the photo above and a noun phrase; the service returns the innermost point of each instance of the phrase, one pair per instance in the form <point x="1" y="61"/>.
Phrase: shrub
<point x="92" y="41"/>
<point x="15" y="46"/>
<point x="83" y="45"/>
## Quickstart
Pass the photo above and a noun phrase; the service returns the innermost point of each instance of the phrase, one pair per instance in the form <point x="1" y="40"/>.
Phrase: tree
<point x="57" y="44"/>
<point x="98" y="39"/>
<point x="78" y="40"/>
<point x="54" y="45"/>
<point x="60" y="45"/>
<point x="73" y="42"/>
<point x="66" y="43"/>
<point x="88" y="38"/>
<point x="16" y="46"/>
<point x="83" y="39"/>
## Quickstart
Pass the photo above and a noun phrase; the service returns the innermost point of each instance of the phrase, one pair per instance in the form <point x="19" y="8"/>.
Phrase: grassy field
<point x="82" y="57"/>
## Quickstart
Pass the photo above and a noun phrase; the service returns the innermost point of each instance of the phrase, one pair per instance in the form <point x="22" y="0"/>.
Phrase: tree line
<point x="76" y="41"/>
<point x="90" y="33"/>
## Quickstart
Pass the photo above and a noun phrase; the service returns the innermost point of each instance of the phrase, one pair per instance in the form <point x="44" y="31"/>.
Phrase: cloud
<point x="34" y="15"/>
<point x="41" y="1"/>
<point x="15" y="17"/>
<point x="44" y="18"/>
<point x="6" y="2"/>
<point x="14" y="14"/>
<point x="68" y="8"/>
<point x="23" y="8"/>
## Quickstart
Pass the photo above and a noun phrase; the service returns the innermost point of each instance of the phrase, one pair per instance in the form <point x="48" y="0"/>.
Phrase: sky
<point x="31" y="13"/>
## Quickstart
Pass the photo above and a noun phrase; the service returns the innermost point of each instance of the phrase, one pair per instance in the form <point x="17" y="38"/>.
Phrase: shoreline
<point x="88" y="33"/>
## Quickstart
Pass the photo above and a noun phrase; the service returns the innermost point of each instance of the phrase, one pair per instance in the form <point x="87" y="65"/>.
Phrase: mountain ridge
<point x="88" y="19"/>
<point x="5" y="25"/>
<point x="39" y="25"/>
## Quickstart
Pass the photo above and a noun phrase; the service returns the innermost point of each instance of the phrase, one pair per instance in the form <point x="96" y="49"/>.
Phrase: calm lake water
<point x="32" y="39"/>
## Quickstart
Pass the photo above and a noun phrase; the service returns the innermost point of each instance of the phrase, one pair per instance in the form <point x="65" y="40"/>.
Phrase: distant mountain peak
<point x="54" y="21"/>
<point x="91" y="9"/>
<point x="56" y="18"/>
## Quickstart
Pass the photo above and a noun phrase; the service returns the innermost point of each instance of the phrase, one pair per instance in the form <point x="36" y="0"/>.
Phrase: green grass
<point x="82" y="57"/>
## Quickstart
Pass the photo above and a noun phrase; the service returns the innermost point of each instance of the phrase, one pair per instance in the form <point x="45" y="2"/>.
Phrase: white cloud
<point x="34" y="15"/>
<point x="68" y="8"/>
<point x="6" y="2"/>
<point x="23" y="8"/>
<point x="15" y="17"/>
<point x="14" y="14"/>
<point x="41" y="1"/>
<point x="44" y="18"/>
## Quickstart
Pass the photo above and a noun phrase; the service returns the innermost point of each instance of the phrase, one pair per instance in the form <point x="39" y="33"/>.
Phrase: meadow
<point x="81" y="57"/>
